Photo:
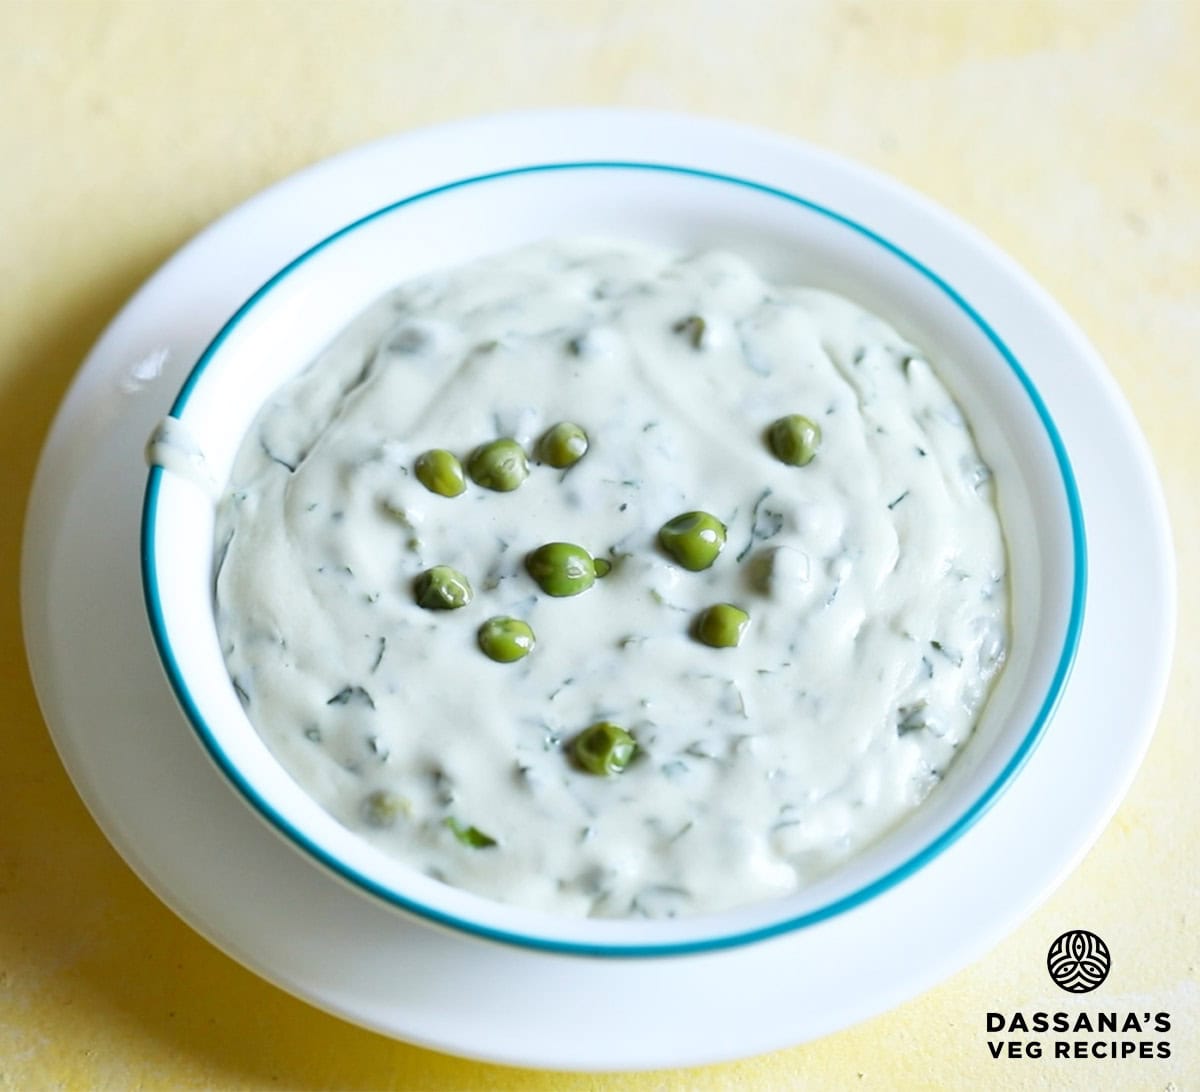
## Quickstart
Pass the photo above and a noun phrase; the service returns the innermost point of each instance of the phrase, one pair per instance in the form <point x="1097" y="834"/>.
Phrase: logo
<point x="1078" y="961"/>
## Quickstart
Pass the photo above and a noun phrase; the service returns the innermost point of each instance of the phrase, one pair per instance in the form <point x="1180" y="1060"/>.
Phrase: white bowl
<point x="791" y="240"/>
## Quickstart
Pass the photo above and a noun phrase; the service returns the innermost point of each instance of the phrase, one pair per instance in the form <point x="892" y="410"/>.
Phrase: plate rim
<point x="490" y="1034"/>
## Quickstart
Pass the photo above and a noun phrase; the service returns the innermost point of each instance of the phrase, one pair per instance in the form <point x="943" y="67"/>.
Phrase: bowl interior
<point x="790" y="240"/>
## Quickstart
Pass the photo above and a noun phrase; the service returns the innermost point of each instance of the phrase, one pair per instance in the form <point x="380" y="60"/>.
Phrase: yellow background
<point x="1069" y="132"/>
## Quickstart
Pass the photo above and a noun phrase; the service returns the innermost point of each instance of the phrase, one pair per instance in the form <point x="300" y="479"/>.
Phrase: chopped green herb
<point x="352" y="695"/>
<point x="692" y="328"/>
<point x="765" y="523"/>
<point x="469" y="836"/>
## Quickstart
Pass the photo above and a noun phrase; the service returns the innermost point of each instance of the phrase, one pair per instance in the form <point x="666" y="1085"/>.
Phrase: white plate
<point x="190" y="837"/>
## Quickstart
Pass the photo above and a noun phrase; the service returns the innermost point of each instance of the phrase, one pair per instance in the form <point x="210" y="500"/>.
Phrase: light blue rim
<point x="847" y="902"/>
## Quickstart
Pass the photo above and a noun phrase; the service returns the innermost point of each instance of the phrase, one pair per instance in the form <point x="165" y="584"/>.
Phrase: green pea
<point x="693" y="539"/>
<point x="794" y="439"/>
<point x="721" y="625"/>
<point x="505" y="640"/>
<point x="604" y="748"/>
<point x="499" y="465"/>
<point x="602" y="566"/>
<point x="561" y="568"/>
<point x="382" y="808"/>
<point x="563" y="445"/>
<point x="440" y="472"/>
<point x="442" y="588"/>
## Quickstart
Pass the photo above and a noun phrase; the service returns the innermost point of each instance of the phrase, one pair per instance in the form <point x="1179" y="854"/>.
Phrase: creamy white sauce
<point x="874" y="578"/>
<point x="173" y="447"/>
